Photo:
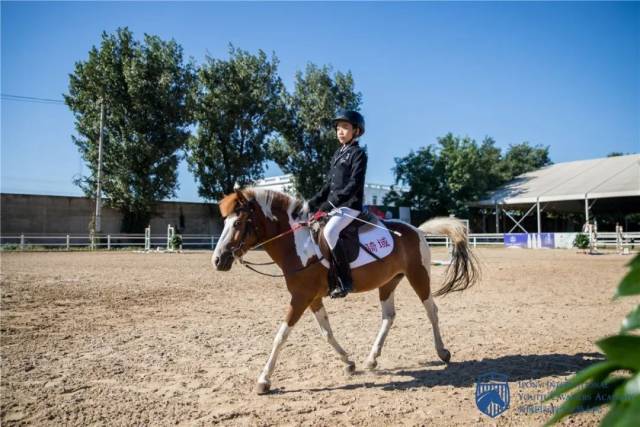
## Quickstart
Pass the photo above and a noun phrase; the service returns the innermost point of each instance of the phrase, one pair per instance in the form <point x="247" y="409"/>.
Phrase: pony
<point x="277" y="221"/>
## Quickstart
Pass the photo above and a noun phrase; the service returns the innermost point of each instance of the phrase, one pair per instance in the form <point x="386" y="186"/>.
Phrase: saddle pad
<point x="376" y="240"/>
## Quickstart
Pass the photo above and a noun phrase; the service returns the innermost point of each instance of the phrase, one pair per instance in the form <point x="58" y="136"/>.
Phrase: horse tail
<point x="463" y="271"/>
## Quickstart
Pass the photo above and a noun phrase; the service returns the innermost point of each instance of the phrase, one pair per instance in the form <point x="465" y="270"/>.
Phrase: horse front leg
<point x="325" y="329"/>
<point x="296" y="308"/>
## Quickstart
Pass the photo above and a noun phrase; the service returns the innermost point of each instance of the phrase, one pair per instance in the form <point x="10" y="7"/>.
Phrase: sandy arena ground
<point x="163" y="339"/>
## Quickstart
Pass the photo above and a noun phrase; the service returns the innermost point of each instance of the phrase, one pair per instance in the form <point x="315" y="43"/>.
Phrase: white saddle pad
<point x="377" y="241"/>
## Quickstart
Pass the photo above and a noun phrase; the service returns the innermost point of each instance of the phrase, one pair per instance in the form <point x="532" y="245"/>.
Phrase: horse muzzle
<point x="224" y="261"/>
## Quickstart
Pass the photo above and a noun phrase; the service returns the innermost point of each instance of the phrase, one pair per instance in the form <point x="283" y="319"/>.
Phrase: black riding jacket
<point x="346" y="180"/>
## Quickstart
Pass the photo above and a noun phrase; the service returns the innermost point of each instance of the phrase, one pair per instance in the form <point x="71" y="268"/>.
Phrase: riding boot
<point x="344" y="284"/>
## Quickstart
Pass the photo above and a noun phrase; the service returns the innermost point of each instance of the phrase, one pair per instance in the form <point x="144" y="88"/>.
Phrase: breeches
<point x="337" y="223"/>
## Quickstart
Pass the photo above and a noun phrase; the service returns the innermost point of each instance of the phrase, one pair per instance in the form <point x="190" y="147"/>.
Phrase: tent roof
<point x="593" y="179"/>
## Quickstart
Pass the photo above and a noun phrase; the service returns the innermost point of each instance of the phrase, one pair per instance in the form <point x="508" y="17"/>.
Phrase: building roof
<point x="591" y="179"/>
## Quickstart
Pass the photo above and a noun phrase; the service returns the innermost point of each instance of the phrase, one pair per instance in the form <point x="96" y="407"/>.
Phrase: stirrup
<point x="338" y="292"/>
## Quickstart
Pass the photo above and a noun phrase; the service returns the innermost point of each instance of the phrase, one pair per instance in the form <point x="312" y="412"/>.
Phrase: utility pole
<point x="99" y="189"/>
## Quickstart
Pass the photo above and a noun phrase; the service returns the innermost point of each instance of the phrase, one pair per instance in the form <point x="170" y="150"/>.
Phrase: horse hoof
<point x="350" y="368"/>
<point x="263" y="388"/>
<point x="445" y="356"/>
<point x="371" y="365"/>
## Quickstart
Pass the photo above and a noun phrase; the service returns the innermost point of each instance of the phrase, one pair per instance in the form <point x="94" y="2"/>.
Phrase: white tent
<point x="588" y="180"/>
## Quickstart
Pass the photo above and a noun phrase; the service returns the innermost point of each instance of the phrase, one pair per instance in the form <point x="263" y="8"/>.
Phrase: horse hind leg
<point x="325" y="329"/>
<point x="388" y="315"/>
<point x="421" y="283"/>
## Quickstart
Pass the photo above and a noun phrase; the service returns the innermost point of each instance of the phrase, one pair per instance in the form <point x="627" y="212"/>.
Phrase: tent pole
<point x="586" y="209"/>
<point x="538" y="209"/>
<point x="497" y="218"/>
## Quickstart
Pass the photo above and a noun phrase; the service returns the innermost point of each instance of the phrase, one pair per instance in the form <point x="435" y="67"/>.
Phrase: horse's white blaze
<point x="227" y="232"/>
<point x="388" y="315"/>
<point x="432" y="313"/>
<point x="278" y="342"/>
<point x="325" y="329"/>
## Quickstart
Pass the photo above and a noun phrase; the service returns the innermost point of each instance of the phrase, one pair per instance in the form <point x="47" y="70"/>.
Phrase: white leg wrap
<point x="388" y="314"/>
<point x="278" y="342"/>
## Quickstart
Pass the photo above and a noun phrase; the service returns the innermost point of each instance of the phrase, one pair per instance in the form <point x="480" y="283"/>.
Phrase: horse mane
<point x="268" y="200"/>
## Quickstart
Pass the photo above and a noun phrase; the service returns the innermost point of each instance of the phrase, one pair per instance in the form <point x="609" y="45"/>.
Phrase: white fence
<point x="208" y="241"/>
<point x="106" y="241"/>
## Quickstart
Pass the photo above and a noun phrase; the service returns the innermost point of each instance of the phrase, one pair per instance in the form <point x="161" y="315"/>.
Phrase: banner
<point x="529" y="240"/>
<point x="516" y="240"/>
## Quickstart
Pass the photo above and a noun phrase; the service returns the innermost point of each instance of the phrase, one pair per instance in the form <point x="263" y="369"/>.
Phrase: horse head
<point x="240" y="232"/>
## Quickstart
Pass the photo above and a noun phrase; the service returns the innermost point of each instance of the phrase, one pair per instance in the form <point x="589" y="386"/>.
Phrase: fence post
<point x="212" y="245"/>
<point x="108" y="242"/>
<point x="147" y="238"/>
<point x="68" y="243"/>
<point x="474" y="242"/>
<point x="21" y="242"/>
<point x="170" y="233"/>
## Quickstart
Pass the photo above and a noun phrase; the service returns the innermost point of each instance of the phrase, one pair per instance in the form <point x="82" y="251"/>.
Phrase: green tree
<point x="469" y="171"/>
<point x="523" y="158"/>
<point x="239" y="104"/>
<point x="144" y="87"/>
<point x="308" y="139"/>
<point x="443" y="178"/>
<point x="419" y="171"/>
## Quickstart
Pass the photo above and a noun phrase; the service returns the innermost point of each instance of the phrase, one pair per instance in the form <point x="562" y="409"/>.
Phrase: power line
<point x="20" y="98"/>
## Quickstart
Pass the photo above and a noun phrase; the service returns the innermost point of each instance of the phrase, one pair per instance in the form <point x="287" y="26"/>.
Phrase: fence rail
<point x="106" y="241"/>
<point x="208" y="241"/>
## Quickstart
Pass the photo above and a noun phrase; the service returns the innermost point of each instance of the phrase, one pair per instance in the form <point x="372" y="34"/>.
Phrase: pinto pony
<point x="259" y="216"/>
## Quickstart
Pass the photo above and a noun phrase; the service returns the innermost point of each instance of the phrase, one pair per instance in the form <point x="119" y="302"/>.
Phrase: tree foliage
<point x="523" y="158"/>
<point x="444" y="177"/>
<point x="144" y="87"/>
<point x="239" y="104"/>
<point x="308" y="139"/>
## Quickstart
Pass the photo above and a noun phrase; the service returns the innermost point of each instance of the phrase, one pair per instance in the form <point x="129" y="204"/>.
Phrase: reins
<point x="248" y="264"/>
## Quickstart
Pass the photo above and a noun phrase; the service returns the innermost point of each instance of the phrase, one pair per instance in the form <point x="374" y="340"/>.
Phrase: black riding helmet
<point x="353" y="117"/>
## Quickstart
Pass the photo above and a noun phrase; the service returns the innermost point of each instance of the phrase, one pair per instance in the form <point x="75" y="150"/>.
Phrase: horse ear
<point x="241" y="199"/>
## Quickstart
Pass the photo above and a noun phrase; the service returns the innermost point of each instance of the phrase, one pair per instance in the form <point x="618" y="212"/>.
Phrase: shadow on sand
<point x="464" y="374"/>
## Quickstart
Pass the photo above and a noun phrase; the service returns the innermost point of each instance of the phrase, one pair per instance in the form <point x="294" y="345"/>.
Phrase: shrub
<point x="176" y="241"/>
<point x="581" y="241"/>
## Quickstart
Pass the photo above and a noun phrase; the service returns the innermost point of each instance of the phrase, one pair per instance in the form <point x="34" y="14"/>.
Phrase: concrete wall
<point x="32" y="214"/>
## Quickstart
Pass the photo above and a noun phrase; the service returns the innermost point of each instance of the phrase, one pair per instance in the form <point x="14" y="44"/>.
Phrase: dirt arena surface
<point x="127" y="338"/>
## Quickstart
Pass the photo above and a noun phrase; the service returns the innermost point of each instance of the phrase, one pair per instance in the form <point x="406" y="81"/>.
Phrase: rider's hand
<point x="319" y="214"/>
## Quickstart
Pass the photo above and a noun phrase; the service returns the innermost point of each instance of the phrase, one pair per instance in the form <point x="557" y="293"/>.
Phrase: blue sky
<point x="565" y="75"/>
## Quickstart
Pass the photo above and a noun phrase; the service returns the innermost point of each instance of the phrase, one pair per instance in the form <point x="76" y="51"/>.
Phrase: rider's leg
<point x="339" y="262"/>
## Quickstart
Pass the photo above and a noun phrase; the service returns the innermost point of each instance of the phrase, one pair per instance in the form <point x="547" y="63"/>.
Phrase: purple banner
<point x="529" y="240"/>
<point x="518" y="240"/>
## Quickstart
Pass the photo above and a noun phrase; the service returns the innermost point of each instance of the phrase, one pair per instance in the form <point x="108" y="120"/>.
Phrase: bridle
<point x="250" y="222"/>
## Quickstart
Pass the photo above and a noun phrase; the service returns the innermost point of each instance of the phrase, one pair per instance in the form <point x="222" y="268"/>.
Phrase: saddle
<point x="362" y="242"/>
